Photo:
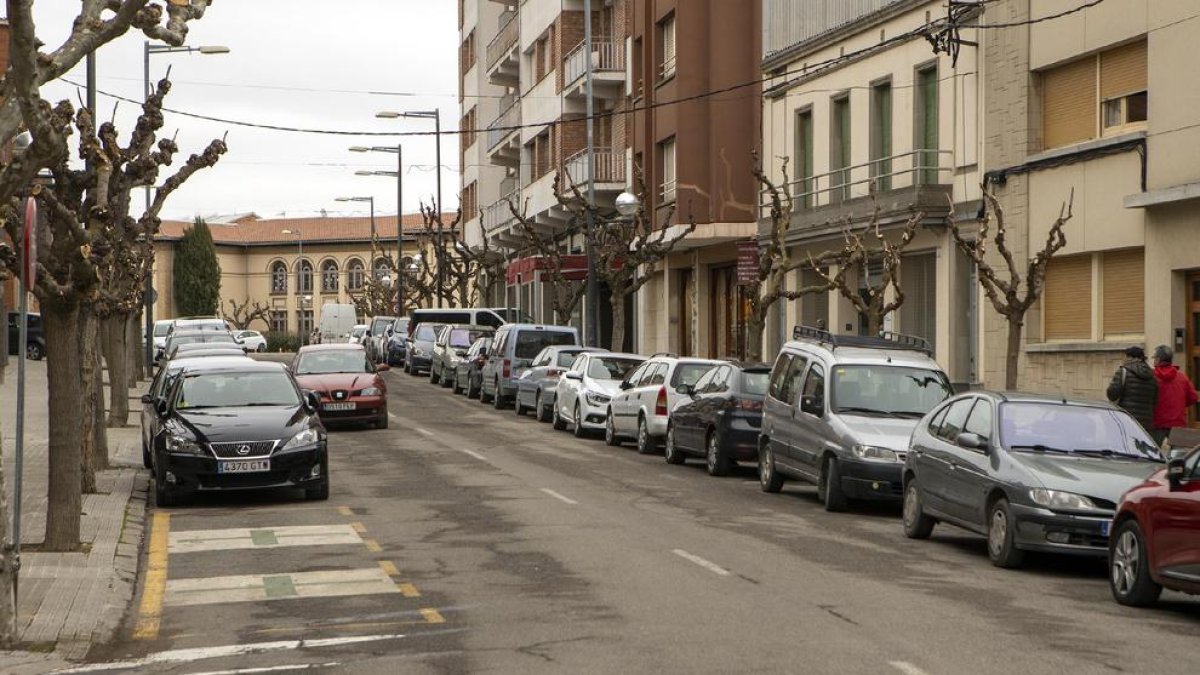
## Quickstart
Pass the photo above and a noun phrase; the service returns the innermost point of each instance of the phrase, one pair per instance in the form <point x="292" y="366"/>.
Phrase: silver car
<point x="536" y="386"/>
<point x="641" y="408"/>
<point x="584" y="392"/>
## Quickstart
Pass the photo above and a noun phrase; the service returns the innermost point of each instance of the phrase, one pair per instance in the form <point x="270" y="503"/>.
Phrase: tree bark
<point x="89" y="373"/>
<point x="135" y="355"/>
<point x="115" y="355"/>
<point x="1013" y="353"/>
<point x="618" y="321"/>
<point x="64" y="362"/>
<point x="755" y="328"/>
<point x="99" y="429"/>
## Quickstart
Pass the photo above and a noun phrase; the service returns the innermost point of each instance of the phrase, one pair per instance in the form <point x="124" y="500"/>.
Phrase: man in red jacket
<point x="1175" y="394"/>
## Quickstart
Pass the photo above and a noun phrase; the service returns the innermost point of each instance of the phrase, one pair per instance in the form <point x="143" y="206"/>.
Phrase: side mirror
<point x="571" y="375"/>
<point x="147" y="399"/>
<point x="812" y="405"/>
<point x="686" y="390"/>
<point x="626" y="384"/>
<point x="1175" y="471"/>
<point x="311" y="400"/>
<point x="160" y="407"/>
<point x="483" y="353"/>
<point x="239" y="339"/>
<point x="382" y="368"/>
<point x="969" y="440"/>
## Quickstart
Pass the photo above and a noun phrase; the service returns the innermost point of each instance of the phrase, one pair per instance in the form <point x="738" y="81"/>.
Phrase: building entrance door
<point x="1192" y="349"/>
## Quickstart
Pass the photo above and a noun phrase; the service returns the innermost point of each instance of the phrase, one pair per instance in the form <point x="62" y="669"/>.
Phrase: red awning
<point x="521" y="270"/>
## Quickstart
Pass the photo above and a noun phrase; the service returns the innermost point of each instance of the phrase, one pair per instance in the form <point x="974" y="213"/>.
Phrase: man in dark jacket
<point x="1175" y="394"/>
<point x="1134" y="388"/>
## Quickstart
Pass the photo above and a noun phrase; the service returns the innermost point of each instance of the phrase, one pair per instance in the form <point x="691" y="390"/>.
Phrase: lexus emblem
<point x="243" y="450"/>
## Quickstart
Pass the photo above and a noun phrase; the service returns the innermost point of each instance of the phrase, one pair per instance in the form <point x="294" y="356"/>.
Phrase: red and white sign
<point x="747" y="263"/>
<point x="29" y="252"/>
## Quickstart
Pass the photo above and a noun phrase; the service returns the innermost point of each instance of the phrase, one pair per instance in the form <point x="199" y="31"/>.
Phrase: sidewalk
<point x="69" y="601"/>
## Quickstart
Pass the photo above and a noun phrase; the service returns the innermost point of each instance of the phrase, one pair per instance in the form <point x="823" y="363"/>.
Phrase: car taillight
<point x="660" y="404"/>
<point x="506" y="368"/>
<point x="746" y="404"/>
<point x="552" y="373"/>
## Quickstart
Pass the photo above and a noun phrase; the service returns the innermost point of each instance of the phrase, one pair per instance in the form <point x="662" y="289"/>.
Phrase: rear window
<point x="689" y="373"/>
<point x="611" y="368"/>
<point x="565" y="359"/>
<point x="427" y="331"/>
<point x="161" y="329"/>
<point x="530" y="342"/>
<point x="462" y="337"/>
<point x="755" y="382"/>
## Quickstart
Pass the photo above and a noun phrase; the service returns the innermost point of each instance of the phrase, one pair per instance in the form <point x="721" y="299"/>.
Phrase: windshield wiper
<point x="867" y="411"/>
<point x="1106" y="452"/>
<point x="912" y="414"/>
<point x="1039" y="448"/>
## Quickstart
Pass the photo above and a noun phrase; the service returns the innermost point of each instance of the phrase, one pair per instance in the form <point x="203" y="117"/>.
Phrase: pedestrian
<point x="1175" y="394"/>
<point x="1134" y="388"/>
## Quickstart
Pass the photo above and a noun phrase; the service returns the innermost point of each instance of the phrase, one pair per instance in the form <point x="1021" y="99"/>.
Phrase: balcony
<point x="609" y="166"/>
<point x="898" y="186"/>
<point x="503" y="62"/>
<point x="503" y="138"/>
<point x="608" y="69"/>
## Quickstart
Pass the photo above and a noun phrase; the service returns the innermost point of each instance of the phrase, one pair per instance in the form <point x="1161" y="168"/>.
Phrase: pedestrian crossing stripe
<point x="262" y="587"/>
<point x="192" y="541"/>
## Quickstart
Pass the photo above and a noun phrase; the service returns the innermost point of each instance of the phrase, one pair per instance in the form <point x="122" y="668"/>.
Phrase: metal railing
<point x="667" y="193"/>
<point x="501" y="127"/>
<point x="607" y="56"/>
<point x="909" y="169"/>
<point x="609" y="166"/>
<point x="497" y="214"/>
<point x="506" y="37"/>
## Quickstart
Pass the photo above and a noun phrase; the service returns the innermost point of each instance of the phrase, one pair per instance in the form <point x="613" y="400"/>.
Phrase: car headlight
<point x="181" y="445"/>
<point x="1057" y="499"/>
<point x="597" y="399"/>
<point x="306" y="437"/>
<point x="872" y="453"/>
<point x="370" y="391"/>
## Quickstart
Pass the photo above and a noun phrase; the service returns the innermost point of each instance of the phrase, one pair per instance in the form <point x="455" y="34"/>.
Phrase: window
<point x="466" y="54"/>
<point x="926" y="130"/>
<point x="720" y="381"/>
<point x="918" y="314"/>
<point x="935" y="425"/>
<point x="304" y="277"/>
<point x="792" y="380"/>
<point x="666" y="31"/>
<point x="329" y="276"/>
<point x="839" y="149"/>
<point x="1123" y="279"/>
<point x="658" y="375"/>
<point x="468" y="125"/>
<point x="778" y="376"/>
<point x="814" y="385"/>
<point x="1067" y="305"/>
<point x="1123" y="97"/>
<point x="278" y="321"/>
<point x="355" y="276"/>
<point x="704" y="384"/>
<point x="382" y="267"/>
<point x="634" y="378"/>
<point x="666" y="153"/>
<point x="956" y="420"/>
<point x="1102" y="94"/>
<point x="980" y="421"/>
<point x="279" y="274"/>
<point x="881" y="136"/>
<point x="802" y="169"/>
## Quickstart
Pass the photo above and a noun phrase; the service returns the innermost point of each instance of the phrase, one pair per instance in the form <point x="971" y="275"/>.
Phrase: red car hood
<point x="332" y="381"/>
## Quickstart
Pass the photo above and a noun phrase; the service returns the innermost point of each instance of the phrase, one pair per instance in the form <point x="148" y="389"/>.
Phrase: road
<point x="463" y="539"/>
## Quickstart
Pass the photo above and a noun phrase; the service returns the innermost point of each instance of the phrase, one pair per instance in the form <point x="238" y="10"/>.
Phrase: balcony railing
<point x="503" y="125"/>
<point x="497" y="214"/>
<point x="607" y="56"/>
<point x="907" y="170"/>
<point x="506" y="38"/>
<point x="609" y="165"/>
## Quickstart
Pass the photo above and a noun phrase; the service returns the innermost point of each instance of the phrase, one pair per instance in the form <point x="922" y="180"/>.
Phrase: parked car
<point x="185" y="337"/>
<point x="251" y="340"/>
<point x="451" y="347"/>
<point x="161" y="384"/>
<point x="350" y="387"/>
<point x="1029" y="472"/>
<point x="839" y="412"/>
<point x="336" y="322"/>
<point x="239" y="427"/>
<point x="719" y="417"/>
<point x="192" y="349"/>
<point x="35" y="338"/>
<point x="161" y="329"/>
<point x="474" y="316"/>
<point x="195" y="323"/>
<point x="468" y="376"/>
<point x="536" y="387"/>
<point x="1155" y="539"/>
<point x="513" y="348"/>
<point x="642" y="407"/>
<point x="420" y="347"/>
<point x="397" y="342"/>
<point x="357" y="333"/>
<point x="582" y="395"/>
<point x="376" y="334"/>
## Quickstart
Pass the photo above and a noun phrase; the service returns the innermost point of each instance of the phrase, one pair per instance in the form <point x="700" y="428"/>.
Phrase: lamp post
<point x="436" y="116"/>
<point x="149" y="295"/>
<point x="399" y="175"/>
<point x="628" y="206"/>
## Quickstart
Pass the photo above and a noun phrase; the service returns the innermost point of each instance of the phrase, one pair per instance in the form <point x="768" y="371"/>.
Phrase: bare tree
<point x="565" y="293"/>
<point x="1011" y="297"/>
<point x="243" y="314"/>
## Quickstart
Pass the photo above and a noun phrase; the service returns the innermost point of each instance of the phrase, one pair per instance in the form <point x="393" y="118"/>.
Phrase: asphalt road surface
<point x="463" y="539"/>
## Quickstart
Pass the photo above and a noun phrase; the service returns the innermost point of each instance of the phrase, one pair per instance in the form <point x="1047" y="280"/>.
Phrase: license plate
<point x="244" y="466"/>
<point x="1104" y="526"/>
<point x="350" y="405"/>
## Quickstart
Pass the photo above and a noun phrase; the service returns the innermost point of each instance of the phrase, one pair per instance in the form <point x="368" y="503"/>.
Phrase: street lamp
<point x="369" y="200"/>
<point x="628" y="204"/>
<point x="399" y="175"/>
<point x="148" y="295"/>
<point x="436" y="116"/>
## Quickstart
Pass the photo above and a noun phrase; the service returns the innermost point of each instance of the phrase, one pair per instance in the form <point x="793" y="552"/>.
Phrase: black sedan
<point x="160" y="386"/>
<point x="719" y="417"/>
<point x="1029" y="472"/>
<point x="468" y="374"/>
<point x="239" y="427"/>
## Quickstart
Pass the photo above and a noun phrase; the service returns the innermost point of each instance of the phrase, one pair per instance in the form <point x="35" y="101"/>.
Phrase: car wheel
<point x="1129" y="567"/>
<point x="768" y="478"/>
<point x="448" y="381"/>
<point x="382" y="421"/>
<point x="472" y="390"/>
<point x="645" y="444"/>
<point x="433" y="375"/>
<point x="540" y="412"/>
<point x="261" y="348"/>
<point x="829" y="486"/>
<point x="718" y="463"/>
<point x="671" y="452"/>
<point x="559" y="423"/>
<point x="147" y="461"/>
<point x="610" y="431"/>
<point x="164" y="496"/>
<point x="319" y="493"/>
<point x="518" y="407"/>
<point x="578" y="430"/>
<point x="1002" y="547"/>
<point x="917" y="525"/>
<point x="497" y="399"/>
<point x="484" y="397"/>
<point x="34" y="351"/>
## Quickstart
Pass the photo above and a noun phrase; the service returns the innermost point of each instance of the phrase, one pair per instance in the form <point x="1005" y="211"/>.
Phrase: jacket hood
<point x="1101" y="477"/>
<point x="883" y="432"/>
<point x="218" y="425"/>
<point x="331" y="381"/>
<point x="1139" y="369"/>
<point x="1165" y="372"/>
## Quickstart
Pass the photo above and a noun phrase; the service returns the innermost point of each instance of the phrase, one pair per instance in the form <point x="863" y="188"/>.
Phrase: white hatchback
<point x="642" y="406"/>
<point x="582" y="394"/>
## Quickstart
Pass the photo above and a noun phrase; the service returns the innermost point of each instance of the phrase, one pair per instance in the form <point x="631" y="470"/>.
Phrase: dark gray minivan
<point x="514" y="347"/>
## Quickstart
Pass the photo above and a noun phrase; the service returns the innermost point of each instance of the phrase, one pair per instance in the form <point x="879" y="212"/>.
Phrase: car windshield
<point x="235" y="390"/>
<point x="888" y="390"/>
<point x="530" y="342"/>
<point x="428" y="331"/>
<point x="611" y="367"/>
<point x="161" y="329"/>
<point x="333" y="361"/>
<point x="755" y="382"/>
<point x="462" y="337"/>
<point x="358" y="331"/>
<point x="689" y="373"/>
<point x="565" y="359"/>
<point x="380" y="328"/>
<point x="1080" y="429"/>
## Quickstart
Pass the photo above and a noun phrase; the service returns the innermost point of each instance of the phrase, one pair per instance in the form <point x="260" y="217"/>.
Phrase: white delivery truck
<point x="336" y="322"/>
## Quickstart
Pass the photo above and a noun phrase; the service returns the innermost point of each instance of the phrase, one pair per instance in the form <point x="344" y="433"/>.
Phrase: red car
<point x="1155" y="540"/>
<point x="350" y="387"/>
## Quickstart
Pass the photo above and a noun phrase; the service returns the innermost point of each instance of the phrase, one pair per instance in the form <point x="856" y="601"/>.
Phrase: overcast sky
<point x="297" y="63"/>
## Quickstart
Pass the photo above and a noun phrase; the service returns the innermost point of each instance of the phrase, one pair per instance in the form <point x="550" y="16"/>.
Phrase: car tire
<point x="517" y="406"/>
<point x="34" y="351"/>
<point x="147" y="461"/>
<point x="261" y="348"/>
<point x="433" y="375"/>
<point x="645" y="444"/>
<point x="717" y="462"/>
<point x="1129" y="567"/>
<point x="768" y="478"/>
<point x="610" y="431"/>
<point x="164" y="497"/>
<point x="578" y="430"/>
<point x="382" y="421"/>
<point x="472" y="391"/>
<point x="671" y="452"/>
<point x="540" y="412"/>
<point x="483" y="395"/>
<point x="917" y="525"/>
<point x="559" y="423"/>
<point x="829" y="486"/>
<point x="497" y="399"/>
<point x="447" y="383"/>
<point x="319" y="493"/>
<point x="1001" y="539"/>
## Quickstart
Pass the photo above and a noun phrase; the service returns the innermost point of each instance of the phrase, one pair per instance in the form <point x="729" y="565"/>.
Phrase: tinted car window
<point x="232" y="390"/>
<point x="980" y="421"/>
<point x="755" y="382"/>
<point x="814" y="384"/>
<point x="935" y="424"/>
<point x="1077" y="428"/>
<point x="705" y="381"/>
<point x="956" y="419"/>
<point x="426" y="332"/>
<point x="688" y="373"/>
<point x="778" y="376"/>
<point x="333" y="361"/>
<point x="889" y="389"/>
<point x="530" y="342"/>
<point x="161" y="329"/>
<point x="636" y="376"/>
<point x="791" y="380"/>
<point x="658" y="375"/>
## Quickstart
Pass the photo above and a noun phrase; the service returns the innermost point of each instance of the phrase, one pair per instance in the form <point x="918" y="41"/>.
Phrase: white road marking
<point x="424" y="432"/>
<point x="476" y="455"/>
<point x="394" y="417"/>
<point x="271" y="669"/>
<point x="200" y="653"/>
<point x="906" y="668"/>
<point x="559" y="497"/>
<point x="264" y="587"/>
<point x="190" y="541"/>
<point x="710" y="566"/>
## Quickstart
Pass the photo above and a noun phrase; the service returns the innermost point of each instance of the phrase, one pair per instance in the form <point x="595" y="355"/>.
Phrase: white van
<point x="337" y="321"/>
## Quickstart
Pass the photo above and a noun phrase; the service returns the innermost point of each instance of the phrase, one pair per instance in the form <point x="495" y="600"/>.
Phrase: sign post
<point x="28" y="278"/>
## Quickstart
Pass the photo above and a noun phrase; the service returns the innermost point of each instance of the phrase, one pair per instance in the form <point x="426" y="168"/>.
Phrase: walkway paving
<point x="69" y="601"/>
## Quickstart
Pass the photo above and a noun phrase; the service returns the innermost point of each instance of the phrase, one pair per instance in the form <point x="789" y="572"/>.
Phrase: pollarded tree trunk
<point x="89" y="374"/>
<point x="115" y="355"/>
<point x="1013" y="354"/>
<point x="618" y="321"/>
<point x="136" y="355"/>
<point x="64" y="361"/>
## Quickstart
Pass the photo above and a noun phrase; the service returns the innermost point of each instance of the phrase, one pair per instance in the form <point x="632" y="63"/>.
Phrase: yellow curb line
<point x="150" y="610"/>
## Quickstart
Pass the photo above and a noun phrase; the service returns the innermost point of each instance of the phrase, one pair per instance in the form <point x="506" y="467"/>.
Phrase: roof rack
<point x="885" y="340"/>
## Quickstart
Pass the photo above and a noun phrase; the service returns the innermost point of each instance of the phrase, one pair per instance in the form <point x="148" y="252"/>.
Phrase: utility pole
<point x="593" y="283"/>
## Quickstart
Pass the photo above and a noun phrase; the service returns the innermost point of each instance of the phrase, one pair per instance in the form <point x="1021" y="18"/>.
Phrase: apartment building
<point x="1102" y="102"/>
<point x="869" y="117"/>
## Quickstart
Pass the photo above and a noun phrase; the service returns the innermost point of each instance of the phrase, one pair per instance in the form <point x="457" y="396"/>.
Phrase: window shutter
<point x="1068" y="299"/>
<point x="1123" y="71"/>
<point x="918" y="314"/>
<point x="1069" y="103"/>
<point x="1124" y="292"/>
